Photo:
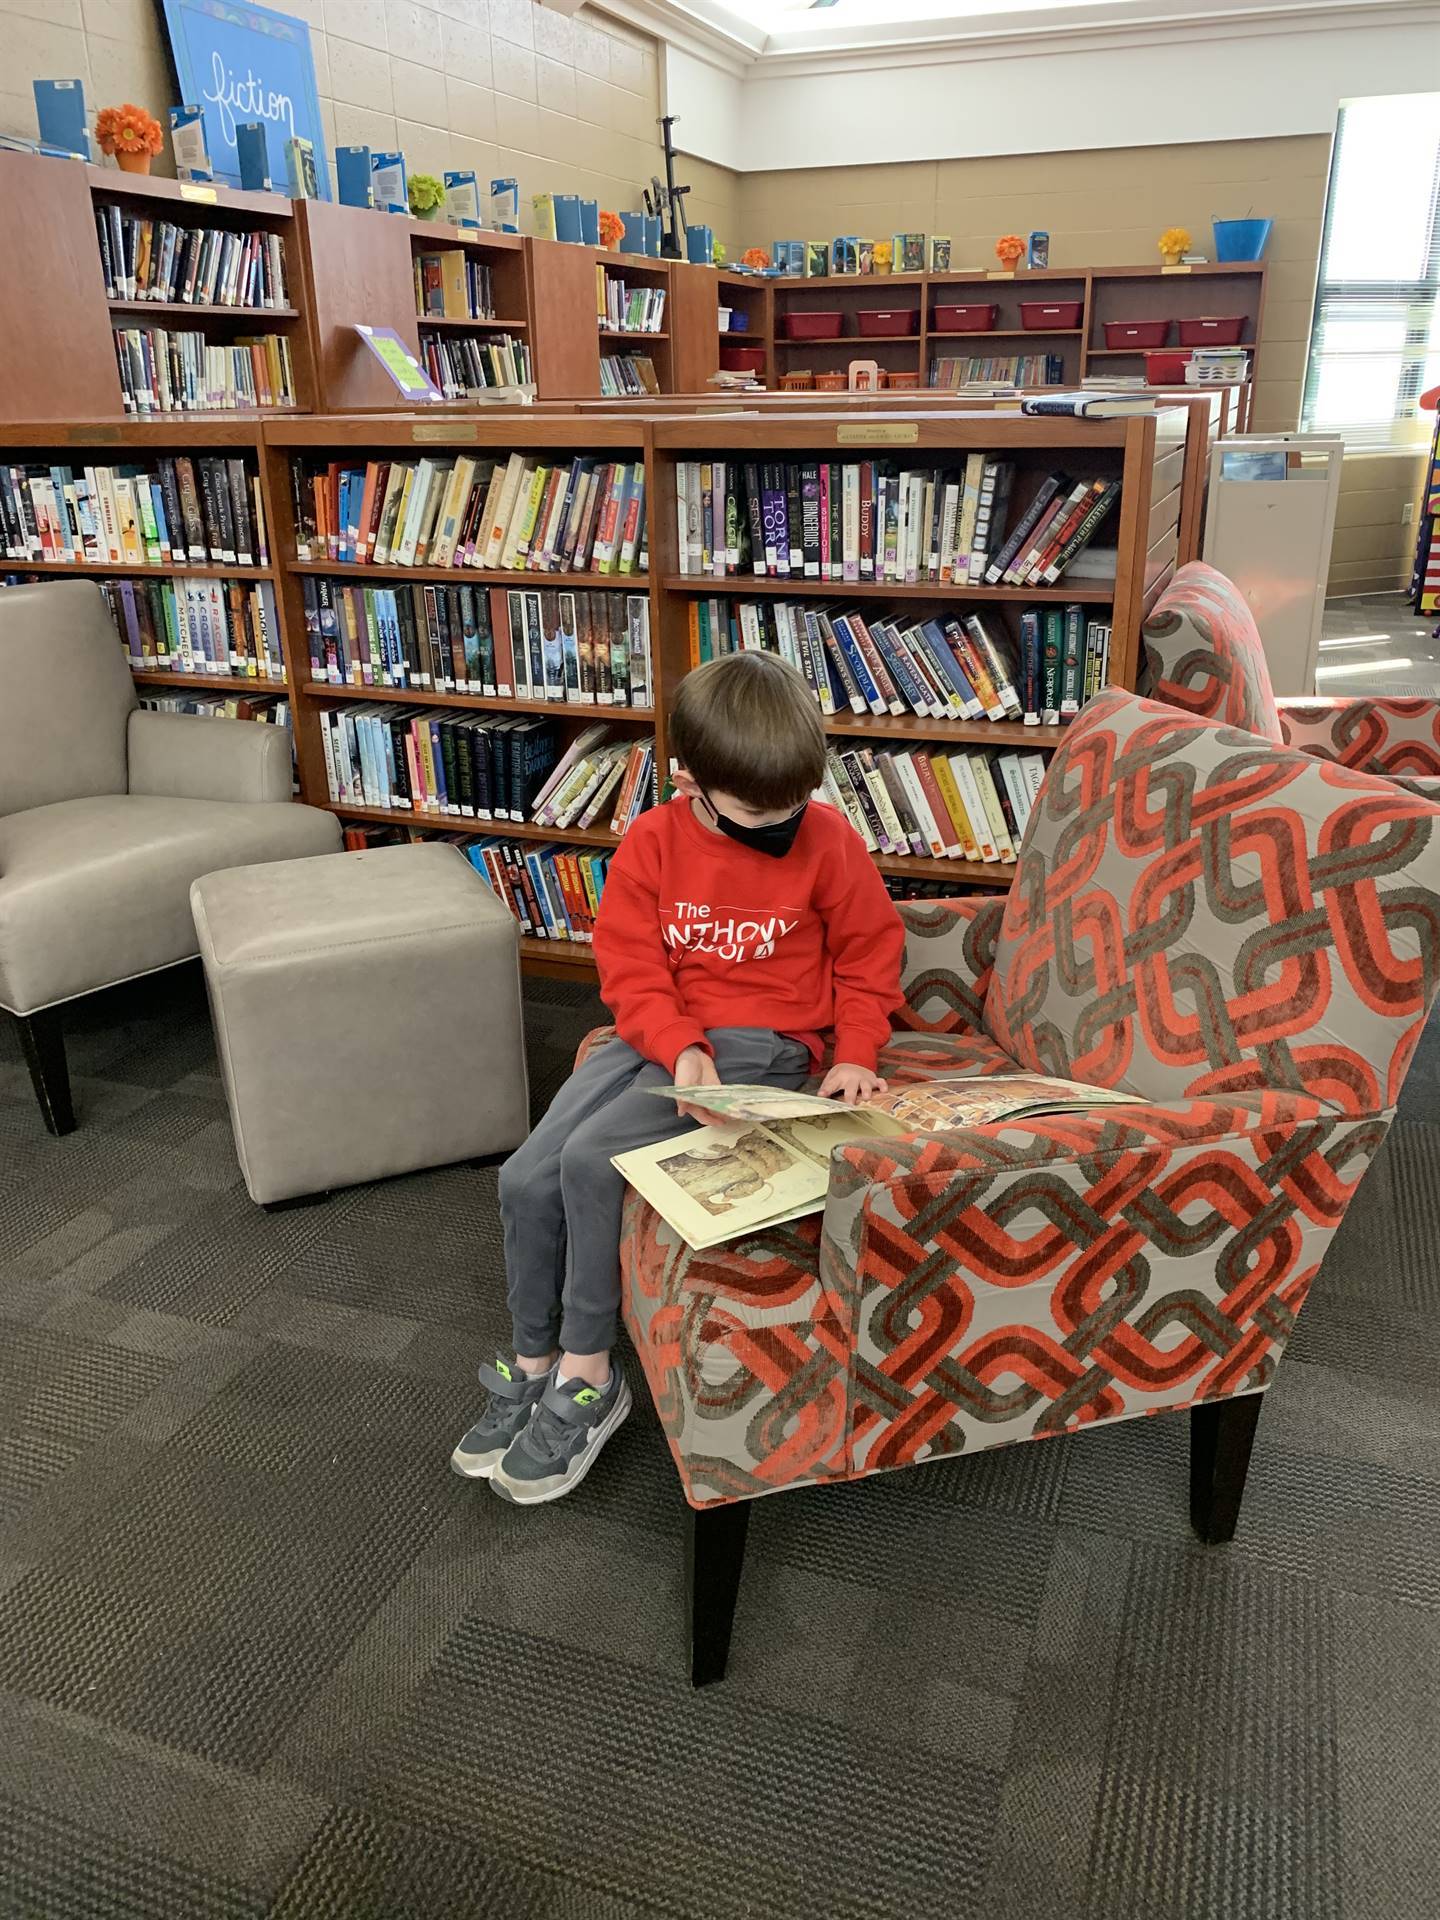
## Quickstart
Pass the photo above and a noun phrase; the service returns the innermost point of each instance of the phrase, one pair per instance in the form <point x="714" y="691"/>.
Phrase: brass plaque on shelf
<point x="92" y="436"/>
<point x="1174" y="269"/>
<point x="879" y="433"/>
<point x="452" y="432"/>
<point x="189" y="190"/>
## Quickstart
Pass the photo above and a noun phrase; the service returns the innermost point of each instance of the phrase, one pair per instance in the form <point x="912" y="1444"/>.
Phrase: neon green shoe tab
<point x="503" y="1370"/>
<point x="587" y="1396"/>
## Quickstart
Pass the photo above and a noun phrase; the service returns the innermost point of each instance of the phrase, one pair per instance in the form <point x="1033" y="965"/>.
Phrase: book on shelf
<point x="1064" y="661"/>
<point x="628" y="309"/>
<point x="932" y="800"/>
<point x="214" y="627"/>
<point x="581" y="648"/>
<point x="1056" y="527"/>
<point x="179" y="511"/>
<point x="144" y="258"/>
<point x="960" y="666"/>
<point x="184" y="372"/>
<point x="553" y="891"/>
<point x="520" y="513"/>
<point x="997" y="370"/>
<point x="1087" y="404"/>
<point x="768" y="1158"/>
<point x="300" y="168"/>
<point x="267" y="708"/>
<point x="465" y="766"/>
<point x="464" y="364"/>
<point x="622" y="374"/>
<point x="453" y="285"/>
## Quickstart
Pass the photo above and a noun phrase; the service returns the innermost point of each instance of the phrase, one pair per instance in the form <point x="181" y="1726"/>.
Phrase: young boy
<point x="740" y="925"/>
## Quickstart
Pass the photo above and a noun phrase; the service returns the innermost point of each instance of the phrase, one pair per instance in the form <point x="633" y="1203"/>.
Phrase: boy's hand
<point x="850" y="1083"/>
<point x="695" y="1068"/>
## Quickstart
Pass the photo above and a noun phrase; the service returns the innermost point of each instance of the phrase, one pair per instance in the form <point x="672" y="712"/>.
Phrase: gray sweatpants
<point x="561" y="1200"/>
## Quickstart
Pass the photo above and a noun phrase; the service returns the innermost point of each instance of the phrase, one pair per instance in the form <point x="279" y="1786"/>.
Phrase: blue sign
<point x="244" y="63"/>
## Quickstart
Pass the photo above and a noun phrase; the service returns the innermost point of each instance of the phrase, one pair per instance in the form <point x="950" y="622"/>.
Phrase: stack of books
<point x="623" y="374"/>
<point x="267" y="708"/>
<point x="164" y="512"/>
<point x="164" y="372"/>
<point x="867" y="520"/>
<point x="145" y="259"/>
<point x="465" y="364"/>
<point x="212" y="627"/>
<point x="521" y="514"/>
<point x="626" y="309"/>
<point x="997" y="370"/>
<point x="933" y="802"/>
<point x="599" y="776"/>
<point x="945" y="667"/>
<point x="584" y="648"/>
<point x="554" y="892"/>
<point x="453" y="285"/>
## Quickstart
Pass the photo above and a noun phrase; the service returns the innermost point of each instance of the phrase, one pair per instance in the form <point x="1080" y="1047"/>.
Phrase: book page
<point x="721" y="1181"/>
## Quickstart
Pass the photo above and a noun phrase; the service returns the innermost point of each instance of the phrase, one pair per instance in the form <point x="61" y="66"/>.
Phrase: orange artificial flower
<point x="612" y="227"/>
<point x="755" y="257"/>
<point x="127" y="129"/>
<point x="1009" y="248"/>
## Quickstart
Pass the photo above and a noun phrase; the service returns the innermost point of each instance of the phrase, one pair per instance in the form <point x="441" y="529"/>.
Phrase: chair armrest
<point x="179" y="756"/>
<point x="949" y="954"/>
<point x="1373" y="733"/>
<point x="1010" y="1281"/>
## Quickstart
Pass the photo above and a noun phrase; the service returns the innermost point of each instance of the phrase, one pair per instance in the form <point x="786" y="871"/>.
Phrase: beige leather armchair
<point x="108" y="813"/>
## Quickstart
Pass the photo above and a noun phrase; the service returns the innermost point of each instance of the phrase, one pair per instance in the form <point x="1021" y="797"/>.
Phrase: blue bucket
<point x="1240" y="239"/>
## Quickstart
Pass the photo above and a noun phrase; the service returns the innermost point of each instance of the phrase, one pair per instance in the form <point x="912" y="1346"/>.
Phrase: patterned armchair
<point x="1204" y="655"/>
<point x="1245" y="938"/>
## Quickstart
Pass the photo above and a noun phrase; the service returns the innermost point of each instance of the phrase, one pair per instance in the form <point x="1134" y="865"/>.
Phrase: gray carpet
<point x="261" y="1654"/>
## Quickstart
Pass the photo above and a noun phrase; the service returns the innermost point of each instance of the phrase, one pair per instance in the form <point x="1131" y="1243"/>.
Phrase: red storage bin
<point x="1218" y="330"/>
<point x="742" y="359"/>
<point x="888" y="321"/>
<point x="1050" y="316"/>
<point x="967" y="319"/>
<point x="813" y="326"/>
<point x="1166" y="369"/>
<point x="1136" y="333"/>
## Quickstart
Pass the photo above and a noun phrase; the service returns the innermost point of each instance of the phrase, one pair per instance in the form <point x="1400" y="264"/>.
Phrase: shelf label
<point x="190" y="191"/>
<point x="879" y="433"/>
<point x="996" y="274"/>
<point x="92" y="436"/>
<point x="450" y="432"/>
<point x="1174" y="269"/>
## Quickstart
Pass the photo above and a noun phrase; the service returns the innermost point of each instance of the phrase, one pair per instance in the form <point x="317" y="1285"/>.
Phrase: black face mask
<point x="776" y="840"/>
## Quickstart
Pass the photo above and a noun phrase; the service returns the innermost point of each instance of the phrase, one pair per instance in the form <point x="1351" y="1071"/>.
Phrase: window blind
<point x="1375" y="337"/>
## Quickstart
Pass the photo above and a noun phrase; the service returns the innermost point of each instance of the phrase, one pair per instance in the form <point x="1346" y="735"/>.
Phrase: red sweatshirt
<point x="696" y="931"/>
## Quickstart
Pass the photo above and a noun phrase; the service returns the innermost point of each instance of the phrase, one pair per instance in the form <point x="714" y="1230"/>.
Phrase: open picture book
<point x="769" y="1158"/>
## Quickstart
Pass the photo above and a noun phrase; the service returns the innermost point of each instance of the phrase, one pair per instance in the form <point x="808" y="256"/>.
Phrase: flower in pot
<point x="1174" y="242"/>
<point x="131" y="134"/>
<point x="1010" y="251"/>
<point x="717" y="253"/>
<point x="756" y="258"/>
<point x="427" y="196"/>
<point x="612" y="229"/>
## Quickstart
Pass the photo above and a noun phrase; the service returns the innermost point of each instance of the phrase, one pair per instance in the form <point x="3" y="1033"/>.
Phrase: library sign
<point x="240" y="63"/>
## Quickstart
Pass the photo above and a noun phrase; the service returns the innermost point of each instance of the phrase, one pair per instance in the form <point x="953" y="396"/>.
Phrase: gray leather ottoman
<point x="367" y="1015"/>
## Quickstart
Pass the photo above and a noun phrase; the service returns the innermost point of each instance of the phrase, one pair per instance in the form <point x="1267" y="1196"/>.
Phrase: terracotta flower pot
<point x="132" y="162"/>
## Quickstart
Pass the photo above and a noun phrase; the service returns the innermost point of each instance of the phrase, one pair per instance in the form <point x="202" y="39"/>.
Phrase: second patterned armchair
<point x="1244" y="938"/>
<point x="1203" y="654"/>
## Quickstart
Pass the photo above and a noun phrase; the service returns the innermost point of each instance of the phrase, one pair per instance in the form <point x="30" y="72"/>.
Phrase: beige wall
<point x="1105" y="208"/>
<point x="502" y="86"/>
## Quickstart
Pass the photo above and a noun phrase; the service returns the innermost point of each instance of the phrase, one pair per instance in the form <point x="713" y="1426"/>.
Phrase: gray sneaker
<point x="555" y="1451"/>
<point x="514" y="1396"/>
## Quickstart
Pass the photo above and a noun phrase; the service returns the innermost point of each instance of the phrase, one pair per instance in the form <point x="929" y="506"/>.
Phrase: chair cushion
<point x="93" y="891"/>
<point x="746" y="1347"/>
<point x="1203" y="653"/>
<point x="68" y="694"/>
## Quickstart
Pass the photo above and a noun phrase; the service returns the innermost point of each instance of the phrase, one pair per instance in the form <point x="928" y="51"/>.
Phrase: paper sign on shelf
<point x="401" y="365"/>
<point x="190" y="191"/>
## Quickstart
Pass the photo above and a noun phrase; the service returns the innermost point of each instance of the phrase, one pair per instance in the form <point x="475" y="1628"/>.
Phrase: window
<point x="1375" y="338"/>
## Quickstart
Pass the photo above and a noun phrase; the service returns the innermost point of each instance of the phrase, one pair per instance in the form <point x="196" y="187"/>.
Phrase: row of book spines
<point x="518" y="515"/>
<point x="462" y="640"/>
<point x="166" y="371"/>
<point x="132" y="517"/>
<point x="469" y="364"/>
<point x="452" y="286"/>
<point x="628" y="373"/>
<point x="1064" y="661"/>
<point x="553" y="892"/>
<point x="936" y="669"/>
<point x="1019" y="370"/>
<point x="833" y="520"/>
<point x="596" y="775"/>
<point x="437" y="764"/>
<point x="1059" y="522"/>
<point x="267" y="709"/>
<point x="929" y="802"/>
<point x="197" y="626"/>
<point x="628" y="309"/>
<point x="158" y="260"/>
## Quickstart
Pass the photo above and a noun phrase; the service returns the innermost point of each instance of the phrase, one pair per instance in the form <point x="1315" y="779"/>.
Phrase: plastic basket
<point x="813" y="326"/>
<point x="972" y="318"/>
<point x="1136" y="333"/>
<point x="1241" y="239"/>
<point x="1213" y="330"/>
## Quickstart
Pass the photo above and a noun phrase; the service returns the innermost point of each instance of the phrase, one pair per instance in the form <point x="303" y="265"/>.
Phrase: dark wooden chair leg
<point x="1222" y="1433"/>
<point x="714" y="1556"/>
<point x="43" y="1038"/>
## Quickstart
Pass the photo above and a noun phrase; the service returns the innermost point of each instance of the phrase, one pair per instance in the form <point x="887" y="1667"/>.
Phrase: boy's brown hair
<point x="748" y="725"/>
